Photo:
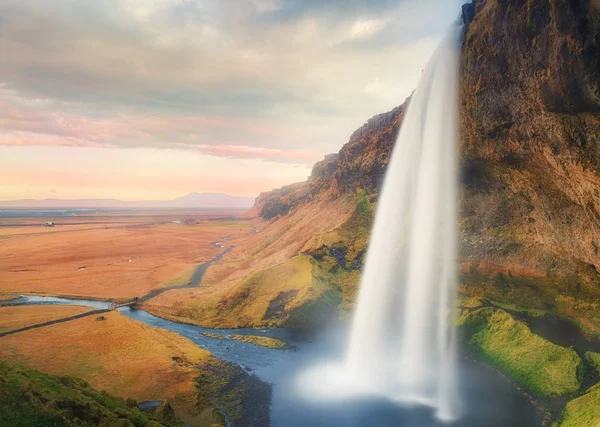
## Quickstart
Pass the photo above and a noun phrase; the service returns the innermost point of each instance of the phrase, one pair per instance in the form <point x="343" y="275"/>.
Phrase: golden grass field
<point x="120" y="355"/>
<point x="17" y="317"/>
<point x="113" y="258"/>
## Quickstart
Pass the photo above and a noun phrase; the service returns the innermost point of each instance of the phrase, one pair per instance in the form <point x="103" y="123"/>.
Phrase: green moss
<point x="570" y="297"/>
<point x="262" y="341"/>
<point x="594" y="359"/>
<point x="583" y="411"/>
<point x="545" y="368"/>
<point x="365" y="210"/>
<point x="32" y="398"/>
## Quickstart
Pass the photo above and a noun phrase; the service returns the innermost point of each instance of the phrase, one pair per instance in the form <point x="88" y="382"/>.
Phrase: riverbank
<point x="280" y="367"/>
<point x="547" y="355"/>
<point x="119" y="355"/>
<point x="98" y="356"/>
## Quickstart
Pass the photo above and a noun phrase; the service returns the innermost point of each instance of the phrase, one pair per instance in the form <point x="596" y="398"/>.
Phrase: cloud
<point x="241" y="152"/>
<point x="361" y="29"/>
<point x="281" y="76"/>
<point x="19" y="139"/>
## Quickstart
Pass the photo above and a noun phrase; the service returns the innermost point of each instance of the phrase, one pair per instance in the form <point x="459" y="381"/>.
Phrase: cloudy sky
<point x="152" y="99"/>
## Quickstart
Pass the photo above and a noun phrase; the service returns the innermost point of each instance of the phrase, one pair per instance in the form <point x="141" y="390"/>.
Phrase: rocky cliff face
<point x="530" y="147"/>
<point x="359" y="166"/>
<point x="530" y="154"/>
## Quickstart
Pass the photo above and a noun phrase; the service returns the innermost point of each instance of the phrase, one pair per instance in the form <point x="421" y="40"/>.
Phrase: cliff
<point x="359" y="166"/>
<point x="529" y="198"/>
<point x="530" y="145"/>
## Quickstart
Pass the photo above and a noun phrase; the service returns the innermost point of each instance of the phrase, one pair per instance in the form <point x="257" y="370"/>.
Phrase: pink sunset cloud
<point x="210" y="135"/>
<point x="20" y="139"/>
<point x="241" y="152"/>
<point x="195" y="95"/>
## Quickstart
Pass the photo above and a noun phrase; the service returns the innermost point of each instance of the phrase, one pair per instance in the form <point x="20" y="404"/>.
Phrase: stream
<point x="489" y="398"/>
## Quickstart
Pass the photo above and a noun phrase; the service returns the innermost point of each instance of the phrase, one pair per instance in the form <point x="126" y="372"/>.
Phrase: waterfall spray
<point x="401" y="343"/>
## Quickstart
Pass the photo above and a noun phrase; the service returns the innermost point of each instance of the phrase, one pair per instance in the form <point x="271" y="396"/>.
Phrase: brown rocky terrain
<point x="530" y="193"/>
<point x="530" y="147"/>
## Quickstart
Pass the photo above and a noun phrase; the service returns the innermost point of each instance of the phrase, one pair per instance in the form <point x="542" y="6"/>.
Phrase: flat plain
<point x="112" y="255"/>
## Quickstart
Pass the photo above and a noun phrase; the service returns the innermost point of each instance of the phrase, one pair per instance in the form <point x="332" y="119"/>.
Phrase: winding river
<point x="490" y="399"/>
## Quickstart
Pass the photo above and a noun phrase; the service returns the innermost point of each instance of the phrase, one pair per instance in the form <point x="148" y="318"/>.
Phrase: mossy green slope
<point x="593" y="359"/>
<point x="545" y="368"/>
<point x="31" y="398"/>
<point x="583" y="411"/>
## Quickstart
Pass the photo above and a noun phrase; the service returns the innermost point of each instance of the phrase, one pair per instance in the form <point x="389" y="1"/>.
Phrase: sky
<point x="154" y="99"/>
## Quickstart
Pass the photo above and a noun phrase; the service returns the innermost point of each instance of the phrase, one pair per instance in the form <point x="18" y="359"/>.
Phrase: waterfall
<point x="401" y="343"/>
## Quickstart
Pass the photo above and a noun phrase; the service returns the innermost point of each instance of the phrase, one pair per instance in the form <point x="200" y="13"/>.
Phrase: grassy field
<point x="545" y="368"/>
<point x="30" y="398"/>
<point x="112" y="260"/>
<point x="121" y="356"/>
<point x="17" y="317"/>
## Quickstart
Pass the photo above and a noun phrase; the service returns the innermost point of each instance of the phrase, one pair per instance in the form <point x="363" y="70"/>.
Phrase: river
<point x="490" y="399"/>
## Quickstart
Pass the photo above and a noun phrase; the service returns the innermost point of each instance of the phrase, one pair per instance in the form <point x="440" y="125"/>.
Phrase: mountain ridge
<point x="190" y="200"/>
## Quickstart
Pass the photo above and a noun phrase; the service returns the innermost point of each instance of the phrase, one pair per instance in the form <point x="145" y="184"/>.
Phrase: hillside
<point x="305" y="257"/>
<point x="32" y="398"/>
<point x="530" y="192"/>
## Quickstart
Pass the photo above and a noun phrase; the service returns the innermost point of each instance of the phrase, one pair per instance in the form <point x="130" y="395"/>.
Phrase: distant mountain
<point x="192" y="200"/>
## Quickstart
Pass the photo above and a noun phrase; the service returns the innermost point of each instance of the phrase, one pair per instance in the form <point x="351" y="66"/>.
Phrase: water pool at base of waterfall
<point x="489" y="398"/>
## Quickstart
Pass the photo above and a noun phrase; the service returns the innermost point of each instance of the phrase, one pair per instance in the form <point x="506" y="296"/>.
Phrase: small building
<point x="49" y="223"/>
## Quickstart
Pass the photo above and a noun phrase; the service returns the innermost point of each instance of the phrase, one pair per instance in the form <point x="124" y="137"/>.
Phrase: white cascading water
<point x="401" y="344"/>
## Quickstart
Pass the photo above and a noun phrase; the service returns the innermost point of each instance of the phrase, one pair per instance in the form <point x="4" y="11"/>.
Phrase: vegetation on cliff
<point x="545" y="368"/>
<point x="530" y="145"/>
<point x="583" y="411"/>
<point x="594" y="360"/>
<point x="32" y="398"/>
